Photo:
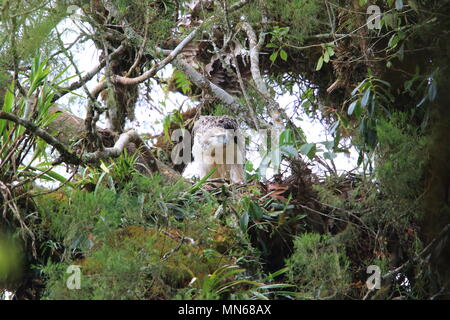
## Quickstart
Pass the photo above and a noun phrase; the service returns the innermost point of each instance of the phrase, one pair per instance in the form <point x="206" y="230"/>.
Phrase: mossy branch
<point x="68" y="156"/>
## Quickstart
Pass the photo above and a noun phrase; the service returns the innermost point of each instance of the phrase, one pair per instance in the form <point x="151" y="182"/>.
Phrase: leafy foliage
<point x="318" y="267"/>
<point x="302" y="233"/>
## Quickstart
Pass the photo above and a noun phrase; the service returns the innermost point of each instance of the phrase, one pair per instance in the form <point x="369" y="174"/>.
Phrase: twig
<point x="62" y="91"/>
<point x="255" y="47"/>
<point x="424" y="252"/>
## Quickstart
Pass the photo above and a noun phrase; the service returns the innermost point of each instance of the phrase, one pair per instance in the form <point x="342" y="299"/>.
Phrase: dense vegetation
<point x="138" y="230"/>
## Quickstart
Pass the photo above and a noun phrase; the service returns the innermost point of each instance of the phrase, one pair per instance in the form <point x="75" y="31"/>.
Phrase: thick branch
<point x="255" y="47"/>
<point x="192" y="74"/>
<point x="202" y="82"/>
<point x="116" y="79"/>
<point x="113" y="152"/>
<point x="238" y="5"/>
<point x="69" y="127"/>
<point x="68" y="156"/>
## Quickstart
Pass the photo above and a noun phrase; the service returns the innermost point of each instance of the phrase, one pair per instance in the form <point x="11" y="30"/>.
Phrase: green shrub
<point x="318" y="267"/>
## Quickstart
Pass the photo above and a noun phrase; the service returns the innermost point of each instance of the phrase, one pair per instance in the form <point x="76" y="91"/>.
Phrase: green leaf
<point x="50" y="175"/>
<point x="383" y="82"/>
<point x="355" y="91"/>
<point x="319" y="64"/>
<point x="199" y="184"/>
<point x="243" y="221"/>
<point x="362" y="3"/>
<point x="9" y="99"/>
<point x="271" y="45"/>
<point x="401" y="53"/>
<point x="99" y="182"/>
<point x="276" y="286"/>
<point x="328" y="144"/>
<point x="309" y="149"/>
<point x="334" y="127"/>
<point x="273" y="56"/>
<point x="286" y="137"/>
<point x="372" y="106"/>
<point x="352" y="107"/>
<point x="275" y="274"/>
<point x="249" y="166"/>
<point x="49" y="119"/>
<point x="358" y="110"/>
<point x="372" y="138"/>
<point x="7" y="107"/>
<point x="393" y="42"/>
<point x="362" y="127"/>
<point x="365" y="99"/>
<point x="360" y="158"/>
<point x="326" y="57"/>
<point x="432" y="90"/>
<point x="283" y="55"/>
<point x="329" y="155"/>
<point x="289" y="150"/>
<point x="104" y="167"/>
<point x="422" y="102"/>
<point x="182" y="82"/>
<point x="330" y="51"/>
<point x="255" y="212"/>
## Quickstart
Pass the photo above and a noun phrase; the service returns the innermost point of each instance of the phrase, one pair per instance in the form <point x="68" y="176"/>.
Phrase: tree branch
<point x="202" y="82"/>
<point x="255" y="47"/>
<point x="88" y="76"/>
<point x="68" y="156"/>
<point x="116" y="79"/>
<point x="113" y="152"/>
<point x="192" y="74"/>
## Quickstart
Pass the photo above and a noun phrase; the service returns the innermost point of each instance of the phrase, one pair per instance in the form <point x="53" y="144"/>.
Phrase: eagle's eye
<point x="228" y="126"/>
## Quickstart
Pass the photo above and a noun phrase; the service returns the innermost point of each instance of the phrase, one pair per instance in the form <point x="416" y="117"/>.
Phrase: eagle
<point x="218" y="143"/>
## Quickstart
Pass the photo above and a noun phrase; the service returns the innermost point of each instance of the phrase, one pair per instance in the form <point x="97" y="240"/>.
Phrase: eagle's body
<point x="217" y="143"/>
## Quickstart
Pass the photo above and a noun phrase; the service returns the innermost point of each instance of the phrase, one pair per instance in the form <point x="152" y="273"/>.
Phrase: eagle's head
<point x="212" y="133"/>
<point x="216" y="144"/>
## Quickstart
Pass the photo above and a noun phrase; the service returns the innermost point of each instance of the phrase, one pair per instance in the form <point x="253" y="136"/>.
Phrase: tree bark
<point x="69" y="128"/>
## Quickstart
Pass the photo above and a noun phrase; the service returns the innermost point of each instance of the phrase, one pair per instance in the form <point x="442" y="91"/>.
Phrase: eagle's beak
<point x="222" y="138"/>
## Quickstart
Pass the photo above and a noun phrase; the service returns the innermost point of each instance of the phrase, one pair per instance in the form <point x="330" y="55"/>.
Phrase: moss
<point x="11" y="261"/>
<point x="319" y="267"/>
<point x="401" y="157"/>
<point x="135" y="263"/>
<point x="304" y="17"/>
<point x="120" y="259"/>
